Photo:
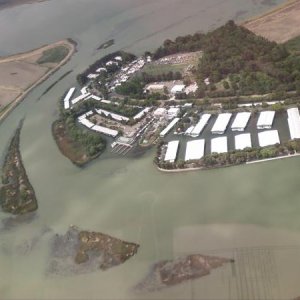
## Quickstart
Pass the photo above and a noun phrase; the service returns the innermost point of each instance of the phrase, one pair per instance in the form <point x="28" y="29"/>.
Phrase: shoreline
<point x="12" y="3"/>
<point x="226" y="166"/>
<point x="69" y="43"/>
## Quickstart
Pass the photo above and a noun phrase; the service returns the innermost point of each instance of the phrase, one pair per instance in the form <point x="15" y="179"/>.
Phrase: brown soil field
<point x="280" y="24"/>
<point x="20" y="73"/>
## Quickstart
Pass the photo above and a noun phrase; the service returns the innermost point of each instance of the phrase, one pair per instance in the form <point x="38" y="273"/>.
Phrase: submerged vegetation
<point x="17" y="195"/>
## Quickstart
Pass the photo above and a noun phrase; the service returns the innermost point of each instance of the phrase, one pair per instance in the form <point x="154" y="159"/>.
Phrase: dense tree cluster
<point x="181" y="44"/>
<point x="251" y="63"/>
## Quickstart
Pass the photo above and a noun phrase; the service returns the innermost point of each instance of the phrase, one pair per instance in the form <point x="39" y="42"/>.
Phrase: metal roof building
<point x="265" y="120"/>
<point x="68" y="97"/>
<point x="268" y="138"/>
<point x="240" y="122"/>
<point x="113" y="115"/>
<point x="178" y="88"/>
<point x="171" y="153"/>
<point x="104" y="130"/>
<point x="219" y="145"/>
<point x="221" y="123"/>
<point x="243" y="141"/>
<point x="169" y="127"/>
<point x="294" y="122"/>
<point x="194" y="150"/>
<point x="79" y="98"/>
<point x="200" y="125"/>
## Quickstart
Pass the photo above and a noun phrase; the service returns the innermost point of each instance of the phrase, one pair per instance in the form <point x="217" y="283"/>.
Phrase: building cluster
<point x="173" y="87"/>
<point x="127" y="72"/>
<point x="195" y="149"/>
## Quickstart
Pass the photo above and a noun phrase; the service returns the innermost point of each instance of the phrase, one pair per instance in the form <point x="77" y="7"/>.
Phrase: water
<point x="250" y="213"/>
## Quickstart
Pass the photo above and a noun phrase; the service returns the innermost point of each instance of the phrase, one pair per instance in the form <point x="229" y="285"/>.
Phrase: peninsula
<point x="195" y="91"/>
<point x="21" y="73"/>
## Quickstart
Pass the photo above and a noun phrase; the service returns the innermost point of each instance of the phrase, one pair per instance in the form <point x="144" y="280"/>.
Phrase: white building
<point x="178" y="88"/>
<point x="265" y="120"/>
<point x="268" y="138"/>
<point x="221" y="123"/>
<point x="173" y="112"/>
<point x="106" y="131"/>
<point x="240" y="122"/>
<point x="194" y="150"/>
<point x="294" y="122"/>
<point x="172" y="150"/>
<point x="156" y="88"/>
<point x="160" y="112"/>
<point x="200" y="125"/>
<point x="243" y="141"/>
<point x="113" y="115"/>
<point x="68" y="97"/>
<point x="142" y="113"/>
<point x="80" y="98"/>
<point x="169" y="127"/>
<point x="219" y="145"/>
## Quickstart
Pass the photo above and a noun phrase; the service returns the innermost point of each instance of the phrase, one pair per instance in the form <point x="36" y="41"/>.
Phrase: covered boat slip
<point x="171" y="152"/>
<point x="243" y="141"/>
<point x="169" y="127"/>
<point x="219" y="145"/>
<point x="194" y="150"/>
<point x="265" y="120"/>
<point x="200" y="125"/>
<point x="240" y="122"/>
<point x="221" y="123"/>
<point x="268" y="138"/>
<point x="294" y="122"/>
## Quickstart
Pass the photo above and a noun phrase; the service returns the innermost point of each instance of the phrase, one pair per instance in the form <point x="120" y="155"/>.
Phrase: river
<point x="250" y="213"/>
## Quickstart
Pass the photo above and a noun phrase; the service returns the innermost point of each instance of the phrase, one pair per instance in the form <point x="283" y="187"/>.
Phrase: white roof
<point x="95" y="97"/>
<point x="113" y="115"/>
<point x="172" y="151"/>
<point x="160" y="111"/>
<point x="178" y="88"/>
<point x="241" y="120"/>
<point x="265" y="119"/>
<point x="169" y="127"/>
<point x="219" y="145"/>
<point x="243" y="141"/>
<point x="141" y="113"/>
<point x="105" y="130"/>
<point x="189" y="130"/>
<point x="200" y="125"/>
<point x="79" y="98"/>
<point x="194" y="150"/>
<point x="268" y="138"/>
<point x="86" y="123"/>
<point x="221" y="123"/>
<point x="294" y="122"/>
<point x="68" y="97"/>
<point x="155" y="87"/>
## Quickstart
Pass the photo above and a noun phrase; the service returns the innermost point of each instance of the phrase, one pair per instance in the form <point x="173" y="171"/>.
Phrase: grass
<point x="54" y="55"/>
<point x="162" y="69"/>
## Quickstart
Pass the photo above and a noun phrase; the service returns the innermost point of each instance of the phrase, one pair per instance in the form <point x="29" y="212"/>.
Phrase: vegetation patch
<point x="54" y="55"/>
<point x="17" y="195"/>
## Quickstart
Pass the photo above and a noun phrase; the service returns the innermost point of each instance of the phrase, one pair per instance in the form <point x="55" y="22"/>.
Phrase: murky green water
<point x="250" y="213"/>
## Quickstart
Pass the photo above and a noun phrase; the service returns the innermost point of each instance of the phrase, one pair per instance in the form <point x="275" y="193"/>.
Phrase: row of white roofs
<point x="107" y="131"/>
<point x="195" y="150"/>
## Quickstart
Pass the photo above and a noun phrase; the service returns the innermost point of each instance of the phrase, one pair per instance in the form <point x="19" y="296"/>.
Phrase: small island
<point x="79" y="252"/>
<point x="17" y="195"/>
<point x="168" y="273"/>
